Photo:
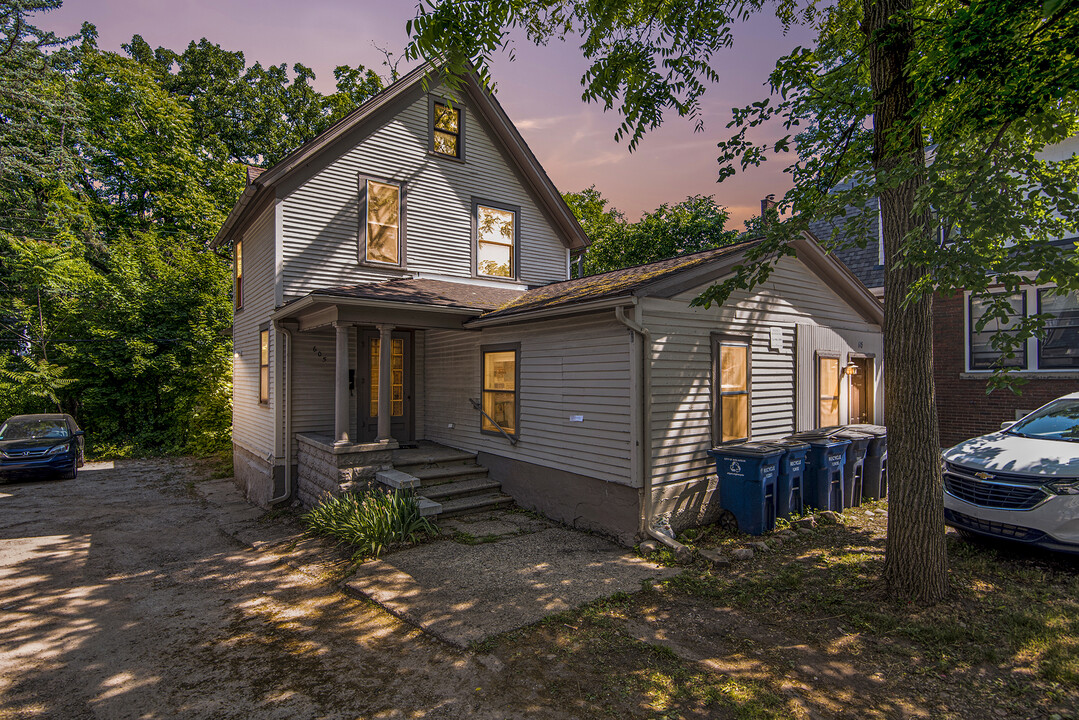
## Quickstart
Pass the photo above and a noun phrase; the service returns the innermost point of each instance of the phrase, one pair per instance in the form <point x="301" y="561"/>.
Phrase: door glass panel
<point x="397" y="377"/>
<point x="828" y="382"/>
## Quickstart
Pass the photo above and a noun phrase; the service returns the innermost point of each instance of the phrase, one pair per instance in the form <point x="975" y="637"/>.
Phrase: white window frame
<point x="1030" y="293"/>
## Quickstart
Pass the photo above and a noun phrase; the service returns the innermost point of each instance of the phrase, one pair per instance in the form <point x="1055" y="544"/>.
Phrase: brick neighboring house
<point x="962" y="359"/>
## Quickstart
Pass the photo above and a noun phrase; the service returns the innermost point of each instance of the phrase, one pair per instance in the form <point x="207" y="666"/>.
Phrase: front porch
<point x="447" y="481"/>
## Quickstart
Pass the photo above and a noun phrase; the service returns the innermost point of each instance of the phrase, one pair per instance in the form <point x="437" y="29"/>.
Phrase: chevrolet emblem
<point x="983" y="475"/>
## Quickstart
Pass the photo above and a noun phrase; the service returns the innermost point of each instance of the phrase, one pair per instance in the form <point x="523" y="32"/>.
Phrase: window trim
<point x="402" y="205"/>
<point x="1038" y="348"/>
<point x="515" y="255"/>
<point x="264" y="389"/>
<point x="817" y="357"/>
<point x="433" y="100"/>
<point x="1024" y="363"/>
<point x="503" y="347"/>
<point x="238" y="275"/>
<point x="718" y="341"/>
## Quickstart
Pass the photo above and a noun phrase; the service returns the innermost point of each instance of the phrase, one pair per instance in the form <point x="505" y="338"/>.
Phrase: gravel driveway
<point x="121" y="597"/>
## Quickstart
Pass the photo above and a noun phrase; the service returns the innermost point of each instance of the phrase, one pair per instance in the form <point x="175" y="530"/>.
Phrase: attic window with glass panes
<point x="447" y="130"/>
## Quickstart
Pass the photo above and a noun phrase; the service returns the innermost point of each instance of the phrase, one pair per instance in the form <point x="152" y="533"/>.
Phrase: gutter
<point x="645" y="414"/>
<point x="237" y="210"/>
<point x="287" y="493"/>
<point x="549" y="312"/>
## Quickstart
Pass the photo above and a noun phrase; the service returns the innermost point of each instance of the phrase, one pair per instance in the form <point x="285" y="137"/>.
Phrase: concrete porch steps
<point x="451" y="478"/>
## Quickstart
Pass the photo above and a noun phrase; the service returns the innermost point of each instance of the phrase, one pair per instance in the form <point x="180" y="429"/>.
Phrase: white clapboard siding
<point x="813" y="339"/>
<point x="681" y="422"/>
<point x="321" y="217"/>
<point x="577" y="366"/>
<point x="252" y="422"/>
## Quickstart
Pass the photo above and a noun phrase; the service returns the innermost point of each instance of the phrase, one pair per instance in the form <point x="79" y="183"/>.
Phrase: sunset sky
<point x="540" y="90"/>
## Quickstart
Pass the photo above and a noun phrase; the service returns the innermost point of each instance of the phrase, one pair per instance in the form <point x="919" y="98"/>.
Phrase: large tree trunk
<point x="915" y="566"/>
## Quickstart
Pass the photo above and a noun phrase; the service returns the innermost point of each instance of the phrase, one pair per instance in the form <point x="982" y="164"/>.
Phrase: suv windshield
<point x="1059" y="420"/>
<point x="33" y="429"/>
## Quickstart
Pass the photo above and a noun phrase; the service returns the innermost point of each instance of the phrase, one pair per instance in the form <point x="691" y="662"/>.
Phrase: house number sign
<point x="314" y="349"/>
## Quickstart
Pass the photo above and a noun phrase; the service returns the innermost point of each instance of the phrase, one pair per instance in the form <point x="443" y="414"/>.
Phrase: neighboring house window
<point x="264" y="366"/>
<point x="381" y="242"/>
<point x="827" y="391"/>
<point x="500" y="385"/>
<point x="983" y="356"/>
<point x="239" y="263"/>
<point x="1059" y="349"/>
<point x="446" y="129"/>
<point x="496" y="240"/>
<point x="731" y="383"/>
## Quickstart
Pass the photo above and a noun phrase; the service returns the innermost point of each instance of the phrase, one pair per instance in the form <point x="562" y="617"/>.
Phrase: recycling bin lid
<point x="848" y="433"/>
<point x="789" y="445"/>
<point x="878" y="430"/>
<point x="817" y="435"/>
<point x="748" y="449"/>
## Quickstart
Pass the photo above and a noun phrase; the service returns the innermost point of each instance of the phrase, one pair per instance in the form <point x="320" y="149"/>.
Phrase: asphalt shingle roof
<point x="438" y="293"/>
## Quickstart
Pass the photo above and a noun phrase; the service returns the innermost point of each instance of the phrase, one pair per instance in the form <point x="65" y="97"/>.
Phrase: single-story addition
<point x="403" y="302"/>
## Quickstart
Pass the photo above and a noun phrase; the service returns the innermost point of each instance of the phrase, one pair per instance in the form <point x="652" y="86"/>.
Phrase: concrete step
<point x="431" y="457"/>
<point x="474" y="503"/>
<point x="462" y="488"/>
<point x="435" y="475"/>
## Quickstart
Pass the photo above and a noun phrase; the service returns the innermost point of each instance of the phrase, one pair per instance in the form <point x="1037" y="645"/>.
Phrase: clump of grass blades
<point x="370" y="521"/>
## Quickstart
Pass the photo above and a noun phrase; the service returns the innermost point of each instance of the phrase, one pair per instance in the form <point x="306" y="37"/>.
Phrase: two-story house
<point x="403" y="300"/>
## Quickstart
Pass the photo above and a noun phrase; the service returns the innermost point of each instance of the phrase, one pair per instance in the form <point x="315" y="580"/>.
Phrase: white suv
<point x="1021" y="483"/>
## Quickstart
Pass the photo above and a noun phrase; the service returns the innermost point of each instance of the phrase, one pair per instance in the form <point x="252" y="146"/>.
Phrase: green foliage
<point x="371" y="521"/>
<point x="116" y="170"/>
<point x="695" y="224"/>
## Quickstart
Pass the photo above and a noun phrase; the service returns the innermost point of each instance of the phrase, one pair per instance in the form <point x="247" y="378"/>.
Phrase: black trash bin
<point x="823" y="483"/>
<point x="875" y="473"/>
<point x="747" y="483"/>
<point x="855" y="463"/>
<point x="791" y="482"/>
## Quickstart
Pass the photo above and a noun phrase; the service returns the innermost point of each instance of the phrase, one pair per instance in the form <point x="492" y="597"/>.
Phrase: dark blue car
<point x="41" y="443"/>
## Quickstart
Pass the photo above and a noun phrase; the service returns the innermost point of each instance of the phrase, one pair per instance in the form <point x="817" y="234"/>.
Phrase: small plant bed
<point x="370" y="522"/>
<point x="802" y="631"/>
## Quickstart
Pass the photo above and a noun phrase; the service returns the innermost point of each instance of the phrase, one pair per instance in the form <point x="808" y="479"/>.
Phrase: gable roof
<point x="668" y="277"/>
<point x="615" y="283"/>
<point x="261" y="186"/>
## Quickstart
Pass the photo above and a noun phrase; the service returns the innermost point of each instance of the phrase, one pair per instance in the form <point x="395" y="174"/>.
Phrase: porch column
<point x="340" y="395"/>
<point x="385" y="384"/>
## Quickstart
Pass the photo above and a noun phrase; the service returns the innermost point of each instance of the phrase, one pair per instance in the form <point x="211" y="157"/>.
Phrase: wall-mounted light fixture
<point x="851" y="369"/>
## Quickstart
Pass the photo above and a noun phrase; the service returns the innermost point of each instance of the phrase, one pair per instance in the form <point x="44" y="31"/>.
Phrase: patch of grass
<point x="370" y="522"/>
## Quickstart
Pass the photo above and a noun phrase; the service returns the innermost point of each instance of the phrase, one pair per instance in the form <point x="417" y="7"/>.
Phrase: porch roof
<point x="440" y="293"/>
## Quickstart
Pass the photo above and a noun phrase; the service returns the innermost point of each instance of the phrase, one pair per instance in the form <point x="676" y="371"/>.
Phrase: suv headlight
<point x="1064" y="487"/>
<point x="58" y="449"/>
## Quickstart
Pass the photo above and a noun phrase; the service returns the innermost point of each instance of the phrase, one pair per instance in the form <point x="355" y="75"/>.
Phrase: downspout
<point x="645" y="414"/>
<point x="287" y="493"/>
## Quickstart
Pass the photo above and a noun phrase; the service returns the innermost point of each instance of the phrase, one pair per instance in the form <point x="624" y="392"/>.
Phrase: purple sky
<point x="541" y="90"/>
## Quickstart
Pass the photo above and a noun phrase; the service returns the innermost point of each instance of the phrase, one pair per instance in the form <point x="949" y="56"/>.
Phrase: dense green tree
<point x="987" y="84"/>
<point x="695" y="224"/>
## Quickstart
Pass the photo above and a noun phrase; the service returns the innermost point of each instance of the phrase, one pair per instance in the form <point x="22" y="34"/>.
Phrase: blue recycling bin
<point x="791" y="481"/>
<point x="823" y="486"/>
<point x="747" y="483"/>
<point x="854" y="468"/>
<point x="875" y="473"/>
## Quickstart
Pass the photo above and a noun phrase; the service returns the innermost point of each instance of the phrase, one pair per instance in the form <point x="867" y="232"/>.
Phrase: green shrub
<point x="370" y="521"/>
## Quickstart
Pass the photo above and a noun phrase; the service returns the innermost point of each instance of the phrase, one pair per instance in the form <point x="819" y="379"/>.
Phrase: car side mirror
<point x="1007" y="424"/>
<point x="79" y="433"/>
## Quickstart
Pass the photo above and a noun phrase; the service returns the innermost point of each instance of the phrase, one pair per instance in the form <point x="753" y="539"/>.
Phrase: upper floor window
<point x="381" y="241"/>
<point x="238" y="295"/>
<point x="496" y="240"/>
<point x="1059" y="349"/>
<point x="446" y="129"/>
<point x="983" y="356"/>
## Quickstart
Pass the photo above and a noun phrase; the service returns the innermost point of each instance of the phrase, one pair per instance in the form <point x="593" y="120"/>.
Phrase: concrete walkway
<point x="502" y="571"/>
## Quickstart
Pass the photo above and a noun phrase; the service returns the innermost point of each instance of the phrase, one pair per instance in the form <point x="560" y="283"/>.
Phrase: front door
<point x="401" y="381"/>
<point x="861" y="390"/>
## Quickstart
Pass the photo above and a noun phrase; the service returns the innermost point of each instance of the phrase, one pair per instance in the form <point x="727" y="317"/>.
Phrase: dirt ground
<point x="126" y="594"/>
